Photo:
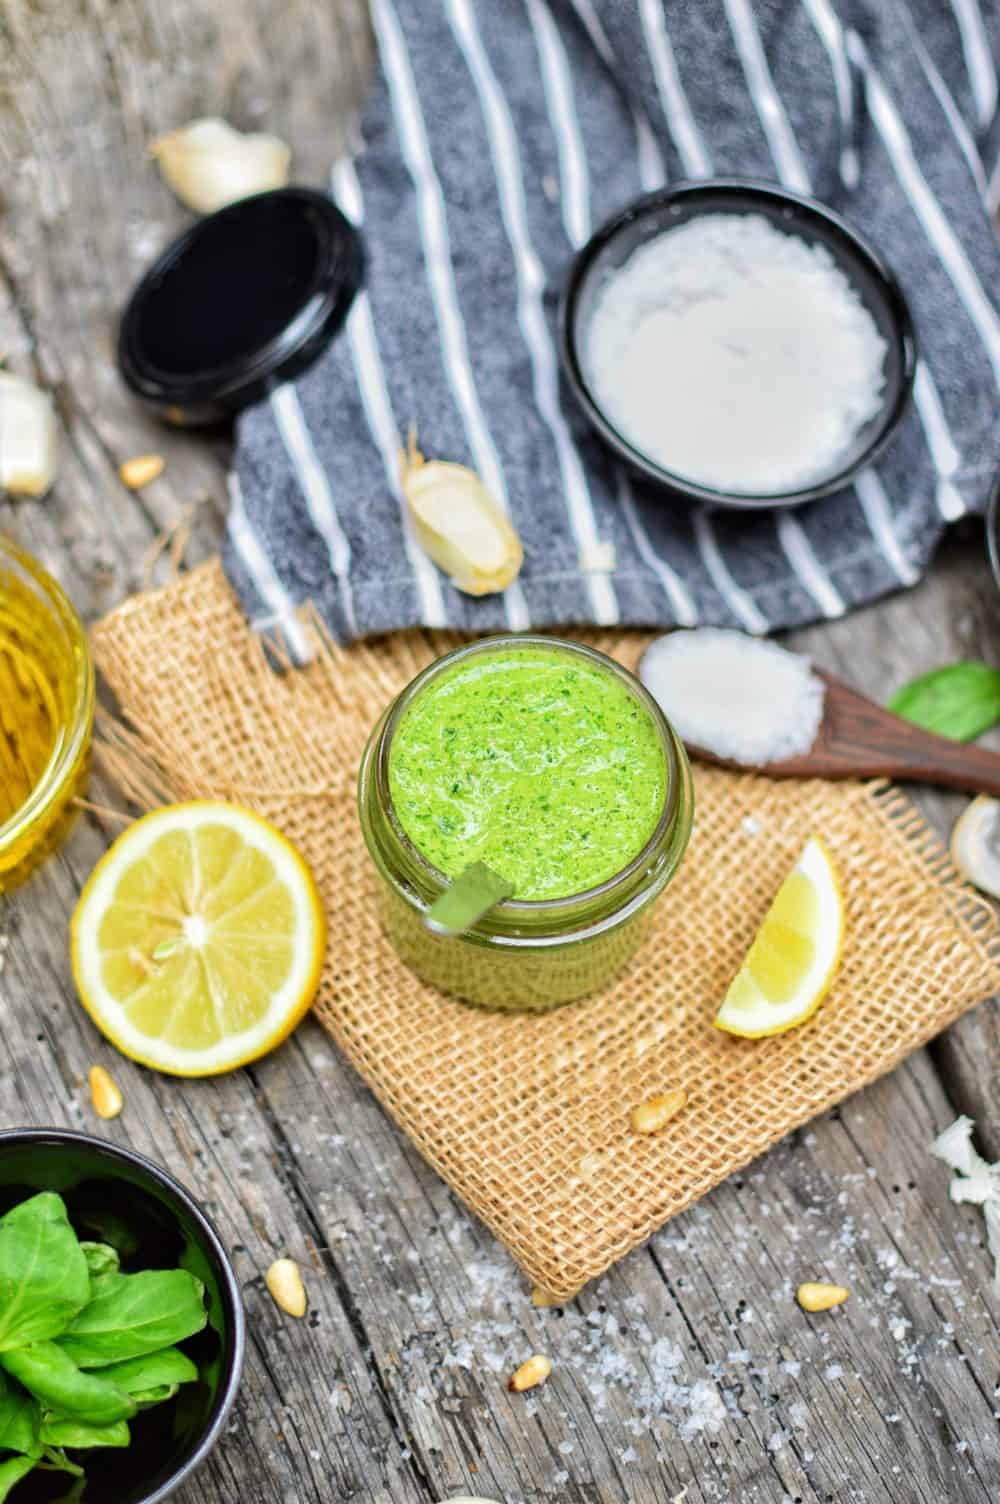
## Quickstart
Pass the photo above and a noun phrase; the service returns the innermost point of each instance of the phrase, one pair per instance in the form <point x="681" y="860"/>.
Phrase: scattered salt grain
<point x="798" y="1414"/>
<point x="707" y="1410"/>
<point x="741" y="699"/>
<point x="728" y="315"/>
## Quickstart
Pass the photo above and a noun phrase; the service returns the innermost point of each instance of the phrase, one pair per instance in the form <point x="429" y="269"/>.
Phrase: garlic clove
<point x="459" y="524"/>
<point x="975" y="844"/>
<point x="208" y="164"/>
<point x="29" y="447"/>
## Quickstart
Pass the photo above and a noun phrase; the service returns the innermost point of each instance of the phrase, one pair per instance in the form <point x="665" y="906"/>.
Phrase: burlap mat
<point x="528" y="1117"/>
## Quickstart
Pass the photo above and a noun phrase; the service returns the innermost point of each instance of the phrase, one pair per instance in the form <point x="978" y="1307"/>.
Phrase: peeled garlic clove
<point x="975" y="844"/>
<point x="459" y="524"/>
<point x="208" y="164"/>
<point x="29" y="448"/>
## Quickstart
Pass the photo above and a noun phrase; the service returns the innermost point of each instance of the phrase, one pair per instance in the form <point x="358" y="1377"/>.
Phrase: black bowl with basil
<point x="117" y="1200"/>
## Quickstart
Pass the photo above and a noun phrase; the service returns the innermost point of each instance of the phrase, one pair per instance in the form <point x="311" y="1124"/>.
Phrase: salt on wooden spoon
<point x="738" y="697"/>
<point x="744" y="703"/>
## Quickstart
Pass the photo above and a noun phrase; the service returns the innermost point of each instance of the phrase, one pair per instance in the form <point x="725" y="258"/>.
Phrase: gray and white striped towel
<point x="498" y="135"/>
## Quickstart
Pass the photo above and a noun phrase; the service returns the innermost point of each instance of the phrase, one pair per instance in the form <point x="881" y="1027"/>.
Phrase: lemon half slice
<point x="790" y="965"/>
<point x="198" y="940"/>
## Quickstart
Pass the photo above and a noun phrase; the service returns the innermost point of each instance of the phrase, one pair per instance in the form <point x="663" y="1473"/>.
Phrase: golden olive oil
<point x="31" y="718"/>
<point x="46" y="705"/>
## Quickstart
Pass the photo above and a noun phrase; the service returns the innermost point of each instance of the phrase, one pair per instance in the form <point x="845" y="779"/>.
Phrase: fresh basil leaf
<point x="960" y="701"/>
<point x="19" y="1418"/>
<point x="135" y="1314"/>
<point x="52" y="1377"/>
<point x="43" y="1275"/>
<point x="101" y="1259"/>
<point x="63" y="1431"/>
<point x="12" y="1471"/>
<point x="147" y="1398"/>
<point x="142" y="1377"/>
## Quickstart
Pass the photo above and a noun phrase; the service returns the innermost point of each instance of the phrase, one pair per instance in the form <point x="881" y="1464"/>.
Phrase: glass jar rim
<point x="537" y="909"/>
<point x="49" y="787"/>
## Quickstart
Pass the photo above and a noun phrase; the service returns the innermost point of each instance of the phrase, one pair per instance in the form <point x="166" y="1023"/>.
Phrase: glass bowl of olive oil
<point x="46" y="713"/>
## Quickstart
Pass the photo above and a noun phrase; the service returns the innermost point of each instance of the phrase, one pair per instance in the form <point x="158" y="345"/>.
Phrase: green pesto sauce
<point x="537" y="762"/>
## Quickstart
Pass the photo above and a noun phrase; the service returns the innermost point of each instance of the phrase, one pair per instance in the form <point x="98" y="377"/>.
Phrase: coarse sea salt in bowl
<point x="737" y="344"/>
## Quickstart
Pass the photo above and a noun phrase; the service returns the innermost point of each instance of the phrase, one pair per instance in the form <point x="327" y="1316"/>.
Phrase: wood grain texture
<point x="393" y="1388"/>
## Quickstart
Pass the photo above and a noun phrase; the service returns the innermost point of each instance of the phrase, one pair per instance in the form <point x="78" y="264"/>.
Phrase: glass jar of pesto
<point x="551" y="763"/>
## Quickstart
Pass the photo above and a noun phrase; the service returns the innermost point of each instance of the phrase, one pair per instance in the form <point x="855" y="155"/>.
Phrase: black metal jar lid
<point x="245" y="299"/>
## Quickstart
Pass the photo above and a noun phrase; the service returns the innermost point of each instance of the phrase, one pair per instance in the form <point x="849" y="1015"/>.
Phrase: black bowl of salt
<point x="737" y="344"/>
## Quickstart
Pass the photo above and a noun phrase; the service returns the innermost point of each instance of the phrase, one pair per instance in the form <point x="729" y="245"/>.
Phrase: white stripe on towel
<point x="802" y="559"/>
<point x="832" y="39"/>
<point x="978" y="59"/>
<point x="652" y="172"/>
<point x="262" y="572"/>
<point x="676" y="111"/>
<point x="531" y="285"/>
<point x="684" y="609"/>
<point x="770" y="110"/>
<point x="875" y="505"/>
<point x="295" y="435"/>
<point x="950" y="110"/>
<point x="947" y="246"/>
<point x="736" y="598"/>
<point x="940" y="442"/>
<point x="574" y="186"/>
<point x="360" y="328"/>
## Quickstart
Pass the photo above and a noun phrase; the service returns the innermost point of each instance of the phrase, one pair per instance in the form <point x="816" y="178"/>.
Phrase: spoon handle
<point x="857" y="730"/>
<point x="473" y="893"/>
<point x="950" y="765"/>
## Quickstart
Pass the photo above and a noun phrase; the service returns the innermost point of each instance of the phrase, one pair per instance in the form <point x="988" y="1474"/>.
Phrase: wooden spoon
<point x="858" y="739"/>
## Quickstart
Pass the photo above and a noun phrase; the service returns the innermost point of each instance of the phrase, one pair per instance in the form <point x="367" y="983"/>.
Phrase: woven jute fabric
<point x="527" y="1116"/>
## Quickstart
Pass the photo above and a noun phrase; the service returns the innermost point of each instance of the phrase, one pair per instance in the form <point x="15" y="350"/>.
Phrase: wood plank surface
<point x="688" y="1373"/>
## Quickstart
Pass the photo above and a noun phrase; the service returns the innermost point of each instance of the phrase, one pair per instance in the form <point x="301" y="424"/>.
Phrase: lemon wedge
<point x="790" y="965"/>
<point x="198" y="939"/>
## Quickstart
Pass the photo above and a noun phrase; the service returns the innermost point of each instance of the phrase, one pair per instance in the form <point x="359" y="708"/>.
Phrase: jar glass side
<point x="523" y="955"/>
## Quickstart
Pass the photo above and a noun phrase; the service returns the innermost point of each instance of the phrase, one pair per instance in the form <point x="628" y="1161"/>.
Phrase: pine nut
<point x="284" y="1282"/>
<point x="543" y="1300"/>
<point x="138" y="472"/>
<point x="105" y="1095"/>
<point x="651" y="1116"/>
<point x="819" y="1297"/>
<point x="535" y="1371"/>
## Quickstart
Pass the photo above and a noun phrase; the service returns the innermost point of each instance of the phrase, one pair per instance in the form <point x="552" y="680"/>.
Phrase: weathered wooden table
<point x="393" y="1388"/>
